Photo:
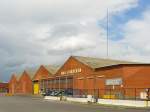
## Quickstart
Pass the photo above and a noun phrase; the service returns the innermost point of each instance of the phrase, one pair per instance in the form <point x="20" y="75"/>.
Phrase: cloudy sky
<point x="34" y="32"/>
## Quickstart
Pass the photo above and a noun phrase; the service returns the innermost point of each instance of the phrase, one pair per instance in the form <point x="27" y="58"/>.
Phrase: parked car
<point x="48" y="93"/>
<point x="59" y="93"/>
<point x="52" y="93"/>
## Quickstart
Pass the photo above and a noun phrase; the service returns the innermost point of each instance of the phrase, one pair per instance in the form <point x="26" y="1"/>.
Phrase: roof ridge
<point x="105" y="59"/>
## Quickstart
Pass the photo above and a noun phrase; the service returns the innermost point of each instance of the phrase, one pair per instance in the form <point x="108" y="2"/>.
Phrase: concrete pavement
<point x="35" y="104"/>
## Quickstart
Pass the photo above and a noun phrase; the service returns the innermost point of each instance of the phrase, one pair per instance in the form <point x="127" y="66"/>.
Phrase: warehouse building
<point x="78" y="72"/>
<point x="101" y="77"/>
<point x="25" y="83"/>
<point x="22" y="83"/>
<point x="13" y="84"/>
<point x="81" y="76"/>
<point x="40" y="78"/>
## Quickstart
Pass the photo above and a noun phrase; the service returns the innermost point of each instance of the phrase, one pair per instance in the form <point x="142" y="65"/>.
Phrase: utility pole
<point x="107" y="33"/>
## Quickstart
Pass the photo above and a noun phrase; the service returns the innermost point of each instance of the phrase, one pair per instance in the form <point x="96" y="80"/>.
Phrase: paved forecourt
<point x="35" y="104"/>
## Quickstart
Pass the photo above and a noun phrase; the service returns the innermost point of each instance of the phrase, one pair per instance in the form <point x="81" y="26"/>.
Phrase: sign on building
<point x="72" y="71"/>
<point x="114" y="81"/>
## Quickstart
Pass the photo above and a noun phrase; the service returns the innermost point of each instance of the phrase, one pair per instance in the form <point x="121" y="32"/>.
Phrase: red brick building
<point x="86" y="75"/>
<point x="40" y="81"/>
<point x="22" y="83"/>
<point x="13" y="84"/>
<point x="25" y="83"/>
<point x="104" y="75"/>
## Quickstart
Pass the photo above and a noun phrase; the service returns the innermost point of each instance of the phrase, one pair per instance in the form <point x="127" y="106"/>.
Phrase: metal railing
<point x="123" y="93"/>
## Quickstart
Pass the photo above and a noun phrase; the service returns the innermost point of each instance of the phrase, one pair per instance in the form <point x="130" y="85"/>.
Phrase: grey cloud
<point x="14" y="64"/>
<point x="70" y="50"/>
<point x="65" y="30"/>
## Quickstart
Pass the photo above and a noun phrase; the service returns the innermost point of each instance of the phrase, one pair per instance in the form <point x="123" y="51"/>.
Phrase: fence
<point x="124" y="94"/>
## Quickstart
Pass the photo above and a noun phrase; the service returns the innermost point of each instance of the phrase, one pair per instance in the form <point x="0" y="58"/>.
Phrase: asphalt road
<point x="34" y="104"/>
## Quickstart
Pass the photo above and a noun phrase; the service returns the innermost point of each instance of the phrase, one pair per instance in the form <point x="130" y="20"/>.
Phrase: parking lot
<point x="36" y="104"/>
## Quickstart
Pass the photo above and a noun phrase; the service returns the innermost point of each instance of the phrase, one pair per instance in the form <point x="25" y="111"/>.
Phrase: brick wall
<point x="12" y="85"/>
<point x="24" y="84"/>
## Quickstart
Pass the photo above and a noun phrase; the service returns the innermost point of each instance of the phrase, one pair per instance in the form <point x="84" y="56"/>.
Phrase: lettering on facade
<point x="72" y="71"/>
<point x="114" y="81"/>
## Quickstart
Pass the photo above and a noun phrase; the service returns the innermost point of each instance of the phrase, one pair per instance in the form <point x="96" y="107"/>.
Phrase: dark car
<point x="48" y="93"/>
<point x="59" y="93"/>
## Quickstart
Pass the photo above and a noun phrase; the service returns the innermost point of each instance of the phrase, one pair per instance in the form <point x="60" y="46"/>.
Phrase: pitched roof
<point x="18" y="75"/>
<point x="52" y="69"/>
<point x="31" y="72"/>
<point x="99" y="62"/>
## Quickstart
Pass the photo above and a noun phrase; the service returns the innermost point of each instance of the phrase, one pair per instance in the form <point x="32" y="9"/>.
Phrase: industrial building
<point x="42" y="74"/>
<point x="13" y="84"/>
<point x="82" y="76"/>
<point x="101" y="77"/>
<point x="25" y="83"/>
<point x="22" y="83"/>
